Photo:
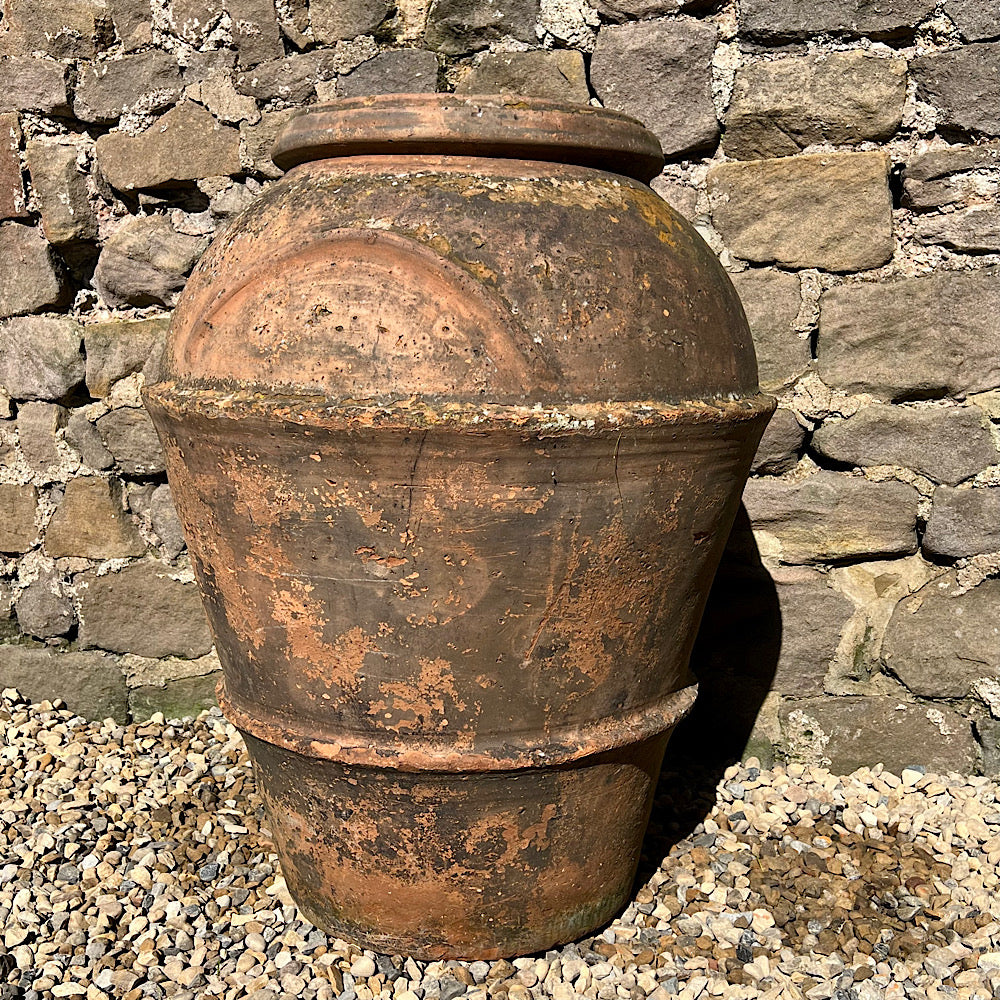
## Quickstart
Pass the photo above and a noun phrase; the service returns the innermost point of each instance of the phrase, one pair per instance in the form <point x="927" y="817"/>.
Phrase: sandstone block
<point x="185" y="144"/>
<point x="147" y="80"/>
<point x="945" y="444"/>
<point x="17" y="518"/>
<point x="972" y="230"/>
<point x="558" y="74"/>
<point x="976" y="19"/>
<point x="455" y="27"/>
<point x="177" y="699"/>
<point x="781" y="446"/>
<point x="32" y="277"/>
<point x="146" y="262"/>
<point x="119" y="348"/>
<point x="332" y="20"/>
<point x="964" y="523"/>
<point x="60" y="188"/>
<point x="964" y="85"/>
<point x="784" y="20"/>
<point x="37" y="426"/>
<point x="771" y="300"/>
<point x="91" y="684"/>
<point x="129" y="435"/>
<point x="65" y="29"/>
<point x="830" y="517"/>
<point x="856" y="731"/>
<point x="661" y="73"/>
<point x="943" y="176"/>
<point x="12" y="203"/>
<point x="939" y="642"/>
<point x="399" y="71"/>
<point x="258" y="140"/>
<point x="81" y="435"/>
<point x="681" y="198"/>
<point x="43" y="608"/>
<point x="91" y="522"/>
<point x="829" y="210"/>
<point x="780" y="107"/>
<point x="142" y="609"/>
<point x="916" y="338"/>
<point x="40" y="356"/>
<point x="133" y="21"/>
<point x="30" y="84"/>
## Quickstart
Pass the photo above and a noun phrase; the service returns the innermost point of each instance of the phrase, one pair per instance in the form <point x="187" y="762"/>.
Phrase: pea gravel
<point x="134" y="862"/>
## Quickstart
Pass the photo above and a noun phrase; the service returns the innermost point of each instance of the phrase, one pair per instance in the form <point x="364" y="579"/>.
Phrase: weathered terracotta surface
<point x="457" y="441"/>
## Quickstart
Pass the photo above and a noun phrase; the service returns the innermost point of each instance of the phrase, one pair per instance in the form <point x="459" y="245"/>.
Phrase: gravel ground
<point x="134" y="863"/>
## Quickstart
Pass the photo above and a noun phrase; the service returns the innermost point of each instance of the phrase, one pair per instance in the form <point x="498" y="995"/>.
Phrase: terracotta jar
<point x="457" y="417"/>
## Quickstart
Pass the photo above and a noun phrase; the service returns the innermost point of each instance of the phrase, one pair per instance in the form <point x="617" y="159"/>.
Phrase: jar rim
<point x="500" y="126"/>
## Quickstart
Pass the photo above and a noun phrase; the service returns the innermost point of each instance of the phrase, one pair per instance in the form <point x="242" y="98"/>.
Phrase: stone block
<point x="964" y="523"/>
<point x="165" y="521"/>
<point x="133" y="21"/>
<point x="971" y="230"/>
<point x="292" y="79"/>
<point x="830" y="517"/>
<point x="37" y="427"/>
<point x="976" y="19"/>
<point x="775" y="21"/>
<point x="455" y="27"/>
<point x="185" y="144"/>
<point x="857" y="732"/>
<point x="943" y="176"/>
<point x="771" y="301"/>
<point x="399" y="71"/>
<point x="832" y="211"/>
<point x="145" y="610"/>
<point x="43" y="608"/>
<point x="118" y="348"/>
<point x="40" y="356"/>
<point x="617" y="11"/>
<point x="81" y="435"/>
<point x="91" y="523"/>
<point x="30" y="84"/>
<point x="778" y="108"/>
<point x="90" y="683"/>
<point x="129" y="435"/>
<point x="65" y="29"/>
<point x="177" y="688"/>
<point x="146" y="262"/>
<point x="333" y="20"/>
<point x="148" y="81"/>
<point x="781" y="446"/>
<point x="964" y="85"/>
<point x="558" y="74"/>
<point x="12" y="202"/>
<point x="916" y="338"/>
<point x="255" y="31"/>
<point x="946" y="444"/>
<point x="60" y="188"/>
<point x="258" y="140"/>
<point x="661" y="73"/>
<point x="17" y="518"/>
<point x="218" y="93"/>
<point x="939" y="641"/>
<point x="681" y="198"/>
<point x="32" y="277"/>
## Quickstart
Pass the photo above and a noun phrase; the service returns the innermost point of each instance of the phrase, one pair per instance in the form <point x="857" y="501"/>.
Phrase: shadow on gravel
<point x="734" y="659"/>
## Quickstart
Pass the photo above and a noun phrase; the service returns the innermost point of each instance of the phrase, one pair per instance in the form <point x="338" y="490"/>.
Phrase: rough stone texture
<point x="29" y="84"/>
<point x="142" y="609"/>
<point x="91" y="684"/>
<point x="780" y="107"/>
<point x="118" y="348"/>
<point x="661" y="73"/>
<point x="783" y="20"/>
<point x="133" y="22"/>
<point x="185" y="144"/>
<point x="81" y="435"/>
<point x="828" y="210"/>
<point x="964" y="523"/>
<point x="332" y="20"/>
<point x="17" y="517"/>
<point x="259" y="139"/>
<point x="32" y="278"/>
<point x="781" y="445"/>
<point x="681" y="198"/>
<point x="400" y="71"/>
<point x="37" y="426"/>
<point x="40" y="356"/>
<point x="558" y="74"/>
<point x="831" y="517"/>
<point x="176" y="699"/>
<point x="12" y="203"/>
<point x="974" y="230"/>
<point x="61" y="192"/>
<point x="771" y="300"/>
<point x="255" y="30"/>
<point x="946" y="444"/>
<point x="976" y="19"/>
<point x="146" y="263"/>
<point x="65" y="29"/>
<point x="964" y="85"/>
<point x="458" y="26"/>
<point x="617" y="11"/>
<point x="129" y="435"/>
<point x="941" y="177"/>
<point x="165" y="521"/>
<point x="43" y="608"/>
<point x="194" y="20"/>
<point x="860" y="731"/>
<point x="292" y="79"/>
<point x="91" y="522"/>
<point x="939" y="642"/>
<point x="916" y="338"/>
<point x="148" y="81"/>
<point x="218" y="93"/>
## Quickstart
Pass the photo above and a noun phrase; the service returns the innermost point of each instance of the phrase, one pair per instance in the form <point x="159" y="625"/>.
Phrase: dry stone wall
<point x="842" y="157"/>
